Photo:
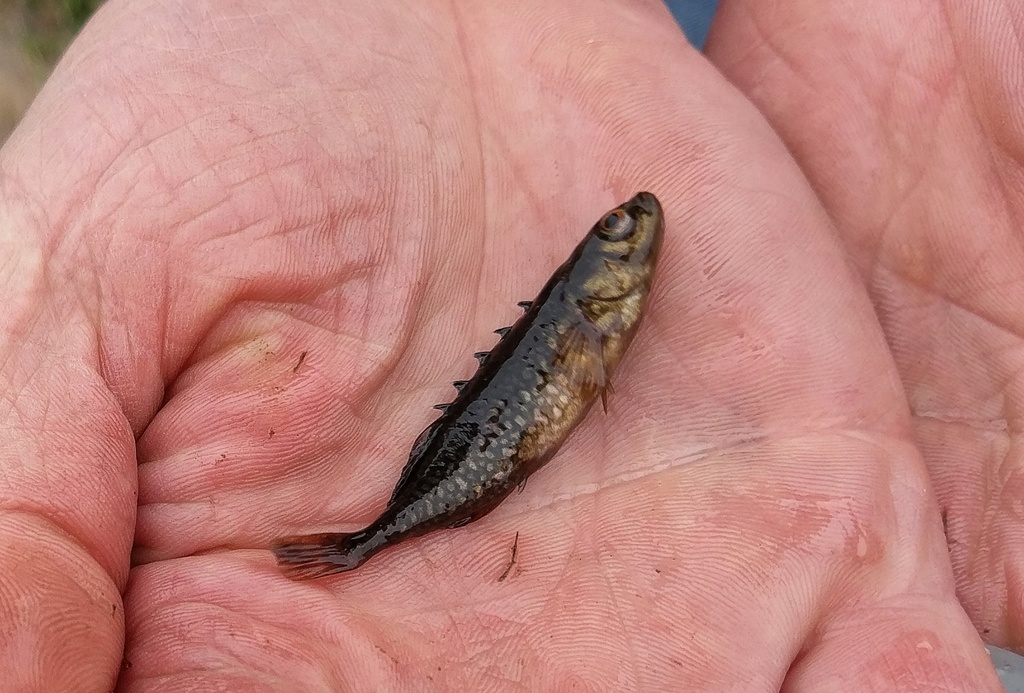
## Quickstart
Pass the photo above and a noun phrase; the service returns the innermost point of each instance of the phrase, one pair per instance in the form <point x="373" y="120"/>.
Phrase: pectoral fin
<point x="582" y="353"/>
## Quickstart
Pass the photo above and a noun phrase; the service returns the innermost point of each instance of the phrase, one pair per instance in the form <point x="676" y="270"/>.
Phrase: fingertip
<point x="61" y="613"/>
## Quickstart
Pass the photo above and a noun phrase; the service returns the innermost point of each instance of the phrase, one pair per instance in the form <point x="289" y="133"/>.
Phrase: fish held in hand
<point x="527" y="395"/>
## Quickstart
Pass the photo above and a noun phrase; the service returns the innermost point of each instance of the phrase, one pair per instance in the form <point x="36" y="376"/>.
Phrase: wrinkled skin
<point x="911" y="131"/>
<point x="206" y="191"/>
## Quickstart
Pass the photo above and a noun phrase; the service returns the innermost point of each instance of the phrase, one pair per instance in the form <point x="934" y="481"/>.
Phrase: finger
<point x="906" y="118"/>
<point x="67" y="479"/>
<point x="892" y="646"/>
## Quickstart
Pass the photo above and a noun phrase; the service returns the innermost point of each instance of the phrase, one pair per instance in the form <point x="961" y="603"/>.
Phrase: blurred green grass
<point x="50" y="25"/>
<point x="33" y="36"/>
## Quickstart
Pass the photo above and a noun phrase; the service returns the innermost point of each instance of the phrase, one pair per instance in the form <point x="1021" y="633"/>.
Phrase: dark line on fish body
<point x="528" y="394"/>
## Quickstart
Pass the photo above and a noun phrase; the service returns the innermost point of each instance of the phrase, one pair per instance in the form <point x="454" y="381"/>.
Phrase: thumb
<point x="67" y="471"/>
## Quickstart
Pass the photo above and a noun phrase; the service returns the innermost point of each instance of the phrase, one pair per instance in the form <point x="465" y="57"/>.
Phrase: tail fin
<point x="317" y="555"/>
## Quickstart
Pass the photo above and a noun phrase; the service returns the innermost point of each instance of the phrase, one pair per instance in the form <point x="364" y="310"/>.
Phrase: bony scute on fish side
<point x="528" y="394"/>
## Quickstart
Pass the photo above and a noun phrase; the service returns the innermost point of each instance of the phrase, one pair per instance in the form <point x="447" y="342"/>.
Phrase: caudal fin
<point x="317" y="555"/>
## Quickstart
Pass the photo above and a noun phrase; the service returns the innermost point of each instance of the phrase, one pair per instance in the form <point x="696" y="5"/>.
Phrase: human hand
<point x="202" y="194"/>
<point x="907" y="119"/>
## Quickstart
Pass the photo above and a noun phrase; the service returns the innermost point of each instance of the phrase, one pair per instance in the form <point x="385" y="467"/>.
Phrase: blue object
<point x="694" y="16"/>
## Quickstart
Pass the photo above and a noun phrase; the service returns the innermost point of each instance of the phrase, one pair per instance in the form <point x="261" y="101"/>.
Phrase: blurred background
<point x="33" y="34"/>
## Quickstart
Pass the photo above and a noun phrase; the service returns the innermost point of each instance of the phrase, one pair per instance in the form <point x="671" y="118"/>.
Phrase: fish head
<point x="618" y="261"/>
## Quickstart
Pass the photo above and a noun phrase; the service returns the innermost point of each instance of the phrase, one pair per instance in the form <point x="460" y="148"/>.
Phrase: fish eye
<point x="617" y="226"/>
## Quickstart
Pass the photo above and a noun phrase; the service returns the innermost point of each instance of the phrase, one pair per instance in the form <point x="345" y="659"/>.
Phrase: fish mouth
<point x="643" y="204"/>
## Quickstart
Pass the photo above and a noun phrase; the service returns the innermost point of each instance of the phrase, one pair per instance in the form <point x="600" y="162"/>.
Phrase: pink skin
<point x="908" y="120"/>
<point x="205" y="191"/>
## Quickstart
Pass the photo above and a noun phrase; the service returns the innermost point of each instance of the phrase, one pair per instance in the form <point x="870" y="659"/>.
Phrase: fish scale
<point x="528" y="394"/>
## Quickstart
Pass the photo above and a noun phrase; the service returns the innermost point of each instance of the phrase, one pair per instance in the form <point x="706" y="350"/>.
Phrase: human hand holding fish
<point x="254" y="244"/>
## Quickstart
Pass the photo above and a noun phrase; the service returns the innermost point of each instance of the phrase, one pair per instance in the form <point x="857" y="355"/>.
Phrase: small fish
<point x="527" y="395"/>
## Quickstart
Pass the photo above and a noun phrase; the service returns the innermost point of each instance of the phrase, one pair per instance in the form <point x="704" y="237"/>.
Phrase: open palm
<point x="907" y="120"/>
<point x="262" y="238"/>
